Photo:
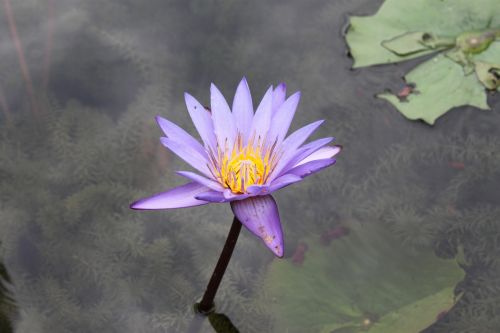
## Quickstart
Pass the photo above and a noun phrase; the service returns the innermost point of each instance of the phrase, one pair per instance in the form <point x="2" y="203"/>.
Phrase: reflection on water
<point x="81" y="261"/>
<point x="219" y="323"/>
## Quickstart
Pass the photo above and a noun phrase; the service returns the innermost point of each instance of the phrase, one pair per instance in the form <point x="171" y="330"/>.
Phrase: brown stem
<point x="5" y="107"/>
<point x="49" y="42"/>
<point x="20" y="54"/>
<point x="207" y="302"/>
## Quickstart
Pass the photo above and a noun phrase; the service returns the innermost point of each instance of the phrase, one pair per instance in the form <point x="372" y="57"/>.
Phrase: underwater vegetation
<point x="366" y="281"/>
<point x="7" y="304"/>
<point x="80" y="261"/>
<point x="455" y="213"/>
<point x="467" y="44"/>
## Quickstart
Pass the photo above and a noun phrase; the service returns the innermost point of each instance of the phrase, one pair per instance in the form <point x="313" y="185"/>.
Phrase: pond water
<point x="406" y="222"/>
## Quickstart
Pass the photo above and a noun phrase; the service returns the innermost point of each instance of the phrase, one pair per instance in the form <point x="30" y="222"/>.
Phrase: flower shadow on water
<point x="218" y="321"/>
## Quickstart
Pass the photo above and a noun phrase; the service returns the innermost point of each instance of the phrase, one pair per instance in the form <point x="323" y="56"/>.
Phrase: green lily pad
<point x="399" y="17"/>
<point x="469" y="38"/>
<point x="440" y="86"/>
<point x="488" y="74"/>
<point x="414" y="42"/>
<point x="488" y="67"/>
<point x="366" y="281"/>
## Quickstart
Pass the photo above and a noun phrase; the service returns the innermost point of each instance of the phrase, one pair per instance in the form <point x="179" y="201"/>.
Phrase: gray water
<point x="84" y="144"/>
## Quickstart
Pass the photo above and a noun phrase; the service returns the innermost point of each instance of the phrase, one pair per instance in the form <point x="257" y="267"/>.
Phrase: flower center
<point x="243" y="169"/>
<point x="243" y="166"/>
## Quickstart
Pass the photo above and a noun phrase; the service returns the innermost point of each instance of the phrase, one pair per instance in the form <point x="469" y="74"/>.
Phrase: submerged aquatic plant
<point x="244" y="158"/>
<point x="7" y="303"/>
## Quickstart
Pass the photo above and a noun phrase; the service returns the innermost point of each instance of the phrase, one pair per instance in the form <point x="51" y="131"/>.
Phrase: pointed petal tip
<point x="318" y="123"/>
<point x="215" y="92"/>
<point x="159" y="120"/>
<point x="312" y="167"/>
<point x="269" y="92"/>
<point x="134" y="205"/>
<point x="296" y="94"/>
<point x="139" y="205"/>
<point x="190" y="100"/>
<point x="276" y="248"/>
<point x="244" y="83"/>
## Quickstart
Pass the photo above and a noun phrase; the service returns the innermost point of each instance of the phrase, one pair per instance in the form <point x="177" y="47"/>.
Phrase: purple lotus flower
<point x="244" y="157"/>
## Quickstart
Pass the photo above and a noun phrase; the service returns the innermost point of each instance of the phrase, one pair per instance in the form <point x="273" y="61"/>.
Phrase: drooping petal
<point x="243" y="109"/>
<point x="283" y="181"/>
<point x="260" y="215"/>
<point x="178" y="197"/>
<point x="283" y="118"/>
<point x="279" y="95"/>
<point x="291" y="144"/>
<point x="211" y="184"/>
<point x="191" y="156"/>
<point x="202" y="120"/>
<point x="321" y="154"/>
<point x="311" y="167"/>
<point x="262" y="118"/>
<point x="224" y="125"/>
<point x="176" y="133"/>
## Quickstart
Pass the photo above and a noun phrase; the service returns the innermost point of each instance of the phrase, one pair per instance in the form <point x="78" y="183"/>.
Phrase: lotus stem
<point x="20" y="54"/>
<point x="5" y="107"/>
<point x="206" y="305"/>
<point x="49" y="42"/>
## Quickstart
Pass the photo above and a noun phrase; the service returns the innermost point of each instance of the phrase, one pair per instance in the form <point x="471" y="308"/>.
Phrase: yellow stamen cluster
<point x="243" y="166"/>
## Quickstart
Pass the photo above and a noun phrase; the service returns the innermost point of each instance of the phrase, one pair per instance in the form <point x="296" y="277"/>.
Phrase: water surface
<point x="81" y="144"/>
